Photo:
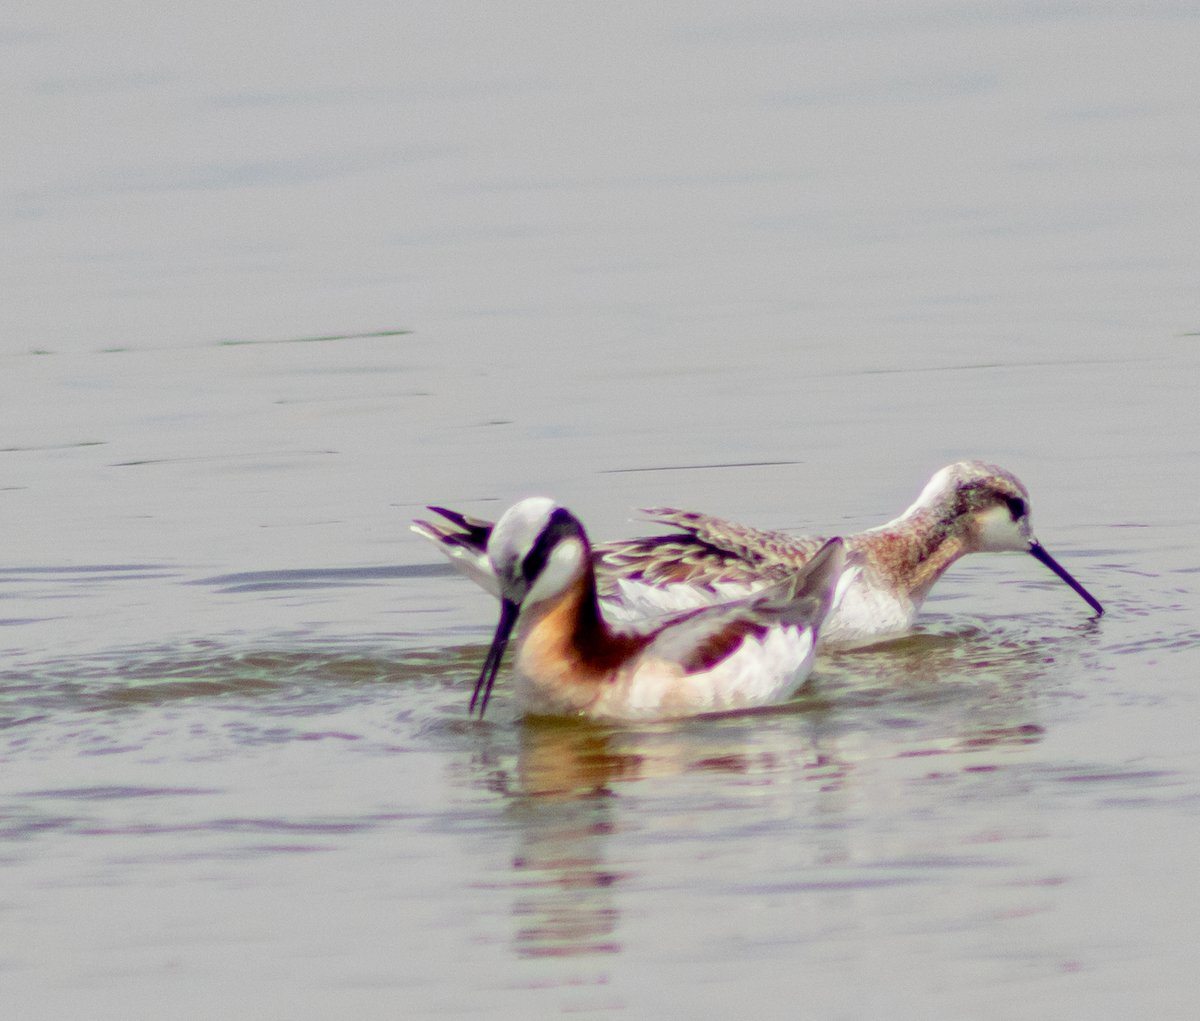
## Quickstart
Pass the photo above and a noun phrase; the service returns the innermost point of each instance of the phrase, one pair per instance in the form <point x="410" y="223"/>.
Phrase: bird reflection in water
<point x="564" y="808"/>
<point x="939" y="699"/>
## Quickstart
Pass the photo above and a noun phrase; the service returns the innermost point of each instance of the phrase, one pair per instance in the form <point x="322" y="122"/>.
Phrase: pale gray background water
<point x="840" y="244"/>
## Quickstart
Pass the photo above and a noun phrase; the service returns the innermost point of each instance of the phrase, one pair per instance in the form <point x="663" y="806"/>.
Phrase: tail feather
<point x="465" y="546"/>
<point x="474" y="530"/>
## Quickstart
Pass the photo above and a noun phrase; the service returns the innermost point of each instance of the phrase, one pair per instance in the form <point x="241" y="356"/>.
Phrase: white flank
<point x="865" y="613"/>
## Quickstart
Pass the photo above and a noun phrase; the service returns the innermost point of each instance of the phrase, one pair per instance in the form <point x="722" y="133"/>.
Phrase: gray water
<point x="276" y="277"/>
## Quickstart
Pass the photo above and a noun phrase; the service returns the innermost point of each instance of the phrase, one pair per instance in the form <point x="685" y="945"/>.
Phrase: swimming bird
<point x="571" y="661"/>
<point x="967" y="507"/>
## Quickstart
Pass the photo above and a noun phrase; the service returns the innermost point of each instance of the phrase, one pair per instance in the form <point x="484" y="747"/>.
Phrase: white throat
<point x="997" y="531"/>
<point x="563" y="568"/>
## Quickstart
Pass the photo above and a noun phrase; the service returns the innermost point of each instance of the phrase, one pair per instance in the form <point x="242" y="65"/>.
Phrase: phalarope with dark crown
<point x="967" y="507"/>
<point x="571" y="661"/>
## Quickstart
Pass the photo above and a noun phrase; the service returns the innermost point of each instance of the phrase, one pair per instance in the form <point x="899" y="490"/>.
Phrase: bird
<point x="570" y="661"/>
<point x="966" y="507"/>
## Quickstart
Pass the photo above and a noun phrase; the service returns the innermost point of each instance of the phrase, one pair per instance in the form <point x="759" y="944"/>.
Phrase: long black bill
<point x="509" y="612"/>
<point x="1038" y="551"/>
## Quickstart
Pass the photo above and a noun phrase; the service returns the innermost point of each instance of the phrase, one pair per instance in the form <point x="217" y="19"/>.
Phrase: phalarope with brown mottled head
<point x="570" y="661"/>
<point x="967" y="507"/>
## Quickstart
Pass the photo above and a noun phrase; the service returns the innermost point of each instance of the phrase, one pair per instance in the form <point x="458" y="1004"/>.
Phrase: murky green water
<point x="773" y="264"/>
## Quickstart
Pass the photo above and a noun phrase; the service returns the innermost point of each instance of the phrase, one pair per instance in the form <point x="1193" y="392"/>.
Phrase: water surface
<point x="276" y="279"/>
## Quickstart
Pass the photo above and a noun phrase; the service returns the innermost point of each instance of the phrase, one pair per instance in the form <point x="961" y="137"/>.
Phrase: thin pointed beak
<point x="1038" y="551"/>
<point x="509" y="612"/>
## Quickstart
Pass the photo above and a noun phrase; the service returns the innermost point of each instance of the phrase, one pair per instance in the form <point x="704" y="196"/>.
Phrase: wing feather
<point x="706" y="551"/>
<point x="701" y="639"/>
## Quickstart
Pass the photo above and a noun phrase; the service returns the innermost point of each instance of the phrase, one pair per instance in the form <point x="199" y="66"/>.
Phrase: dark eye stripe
<point x="1016" y="507"/>
<point x="562" y="524"/>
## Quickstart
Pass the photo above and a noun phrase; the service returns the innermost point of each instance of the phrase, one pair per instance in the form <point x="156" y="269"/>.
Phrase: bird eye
<point x="1016" y="507"/>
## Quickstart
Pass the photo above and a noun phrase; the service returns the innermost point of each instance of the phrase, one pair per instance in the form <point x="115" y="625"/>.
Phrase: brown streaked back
<point x="708" y="551"/>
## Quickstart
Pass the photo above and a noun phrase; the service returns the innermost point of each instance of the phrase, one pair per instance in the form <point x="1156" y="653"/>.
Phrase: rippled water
<point x="275" y="279"/>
